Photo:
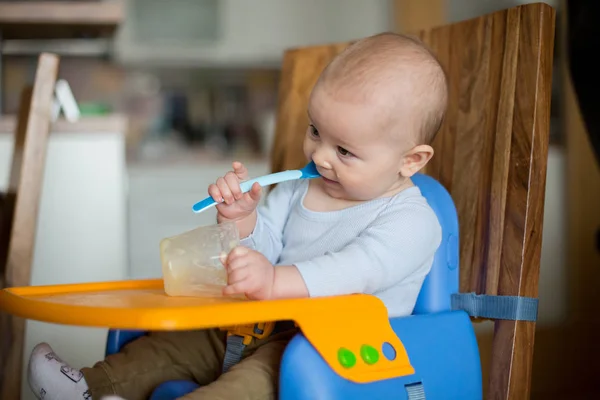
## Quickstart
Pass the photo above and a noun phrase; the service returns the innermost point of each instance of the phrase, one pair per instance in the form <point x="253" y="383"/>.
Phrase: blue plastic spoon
<point x="308" y="172"/>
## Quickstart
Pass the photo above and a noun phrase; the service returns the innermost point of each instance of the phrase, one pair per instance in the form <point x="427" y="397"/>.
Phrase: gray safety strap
<point x="415" y="391"/>
<point x="514" y="308"/>
<point x="233" y="351"/>
<point x="235" y="344"/>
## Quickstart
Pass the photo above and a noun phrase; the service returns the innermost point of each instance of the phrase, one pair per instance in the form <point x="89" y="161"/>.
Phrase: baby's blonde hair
<point x="378" y="61"/>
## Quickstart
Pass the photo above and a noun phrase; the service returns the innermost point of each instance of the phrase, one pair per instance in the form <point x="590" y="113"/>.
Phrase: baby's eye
<point x="343" y="151"/>
<point x="314" y="131"/>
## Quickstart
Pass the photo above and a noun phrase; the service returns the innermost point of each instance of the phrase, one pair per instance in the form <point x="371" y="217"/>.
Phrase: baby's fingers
<point x="236" y="255"/>
<point x="236" y="288"/>
<point x="234" y="185"/>
<point x="240" y="170"/>
<point x="215" y="193"/>
<point x="255" y="192"/>
<point x="225" y="191"/>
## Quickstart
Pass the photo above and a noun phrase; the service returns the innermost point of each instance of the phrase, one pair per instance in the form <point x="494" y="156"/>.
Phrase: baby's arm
<point x="395" y="247"/>
<point x="250" y="273"/>
<point x="266" y="235"/>
<point x="288" y="283"/>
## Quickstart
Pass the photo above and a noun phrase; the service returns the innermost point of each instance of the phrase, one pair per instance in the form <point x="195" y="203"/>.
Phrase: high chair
<point x="487" y="177"/>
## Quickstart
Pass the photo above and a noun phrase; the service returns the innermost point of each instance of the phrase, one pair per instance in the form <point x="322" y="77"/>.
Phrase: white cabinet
<point x="81" y="234"/>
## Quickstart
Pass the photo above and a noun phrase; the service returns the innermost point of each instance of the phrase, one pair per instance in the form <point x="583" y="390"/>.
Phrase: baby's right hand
<point x="233" y="204"/>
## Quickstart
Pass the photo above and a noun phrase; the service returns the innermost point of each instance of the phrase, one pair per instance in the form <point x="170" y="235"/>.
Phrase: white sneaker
<point x="50" y="378"/>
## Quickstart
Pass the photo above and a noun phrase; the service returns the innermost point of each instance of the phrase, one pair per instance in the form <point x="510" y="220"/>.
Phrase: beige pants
<point x="190" y="355"/>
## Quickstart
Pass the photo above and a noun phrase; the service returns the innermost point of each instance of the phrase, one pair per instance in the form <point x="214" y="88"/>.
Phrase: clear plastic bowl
<point x="192" y="262"/>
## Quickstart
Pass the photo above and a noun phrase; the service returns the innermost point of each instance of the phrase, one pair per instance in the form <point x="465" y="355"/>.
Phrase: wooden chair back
<point x="19" y="210"/>
<point x="491" y="155"/>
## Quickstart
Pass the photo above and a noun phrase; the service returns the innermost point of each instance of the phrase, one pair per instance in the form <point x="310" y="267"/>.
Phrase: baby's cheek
<point x="357" y="188"/>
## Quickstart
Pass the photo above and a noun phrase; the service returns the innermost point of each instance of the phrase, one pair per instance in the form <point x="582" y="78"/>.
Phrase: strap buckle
<point x="259" y="330"/>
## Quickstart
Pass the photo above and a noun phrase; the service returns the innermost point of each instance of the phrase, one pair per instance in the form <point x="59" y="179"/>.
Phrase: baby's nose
<point x="320" y="159"/>
<point x="321" y="156"/>
<point x="321" y="163"/>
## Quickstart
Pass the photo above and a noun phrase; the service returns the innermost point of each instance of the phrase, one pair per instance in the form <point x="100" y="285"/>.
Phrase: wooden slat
<point x="506" y="34"/>
<point x="521" y="248"/>
<point x="469" y="122"/>
<point x="472" y="151"/>
<point x="19" y="213"/>
<point x="440" y="42"/>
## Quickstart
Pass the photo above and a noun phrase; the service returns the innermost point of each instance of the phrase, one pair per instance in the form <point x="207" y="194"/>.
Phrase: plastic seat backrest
<point x="442" y="280"/>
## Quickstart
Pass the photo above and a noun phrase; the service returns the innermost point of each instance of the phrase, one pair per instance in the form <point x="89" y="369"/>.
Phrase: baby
<point x="361" y="228"/>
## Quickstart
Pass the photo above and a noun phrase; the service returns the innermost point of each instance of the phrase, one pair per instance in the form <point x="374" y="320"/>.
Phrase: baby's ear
<point x="415" y="160"/>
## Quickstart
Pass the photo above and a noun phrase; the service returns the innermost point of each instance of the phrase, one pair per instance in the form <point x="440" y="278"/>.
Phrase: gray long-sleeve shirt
<point x="383" y="247"/>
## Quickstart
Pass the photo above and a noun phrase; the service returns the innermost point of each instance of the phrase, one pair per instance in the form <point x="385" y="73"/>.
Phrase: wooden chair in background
<point x="491" y="155"/>
<point x="19" y="210"/>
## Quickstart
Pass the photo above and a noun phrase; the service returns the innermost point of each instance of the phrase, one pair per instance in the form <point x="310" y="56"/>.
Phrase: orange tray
<point x="329" y="323"/>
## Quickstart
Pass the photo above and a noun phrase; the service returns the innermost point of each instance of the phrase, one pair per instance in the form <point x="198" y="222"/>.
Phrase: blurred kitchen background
<point x="186" y="87"/>
<point x="170" y="93"/>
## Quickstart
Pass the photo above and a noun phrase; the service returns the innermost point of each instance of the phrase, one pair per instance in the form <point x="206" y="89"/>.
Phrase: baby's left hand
<point x="249" y="272"/>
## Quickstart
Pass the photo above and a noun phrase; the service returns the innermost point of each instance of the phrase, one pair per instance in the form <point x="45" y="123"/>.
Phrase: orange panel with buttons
<point x="352" y="333"/>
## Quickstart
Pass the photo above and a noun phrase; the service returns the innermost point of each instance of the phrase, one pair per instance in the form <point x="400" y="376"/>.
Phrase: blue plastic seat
<point x="440" y="343"/>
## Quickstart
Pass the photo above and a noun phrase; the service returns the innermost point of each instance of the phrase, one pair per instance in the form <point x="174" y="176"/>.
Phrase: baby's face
<point x="352" y="147"/>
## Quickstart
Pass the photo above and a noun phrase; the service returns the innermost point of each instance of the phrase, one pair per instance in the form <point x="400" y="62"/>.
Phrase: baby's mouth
<point x="329" y="181"/>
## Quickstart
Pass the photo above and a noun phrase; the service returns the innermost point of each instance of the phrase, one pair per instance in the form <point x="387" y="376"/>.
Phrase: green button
<point x="346" y="358"/>
<point x="369" y="354"/>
